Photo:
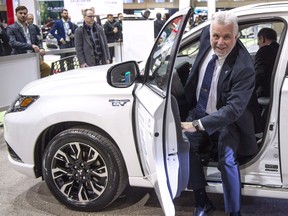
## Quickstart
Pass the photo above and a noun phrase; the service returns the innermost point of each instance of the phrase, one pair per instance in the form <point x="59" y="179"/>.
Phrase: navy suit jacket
<point x="17" y="39"/>
<point x="236" y="98"/>
<point x="58" y="25"/>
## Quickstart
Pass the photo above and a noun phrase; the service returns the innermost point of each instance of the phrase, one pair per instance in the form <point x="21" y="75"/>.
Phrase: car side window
<point x="248" y="34"/>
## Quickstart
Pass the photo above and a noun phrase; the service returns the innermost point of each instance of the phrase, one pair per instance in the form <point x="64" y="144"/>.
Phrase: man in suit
<point x="264" y="60"/>
<point x="111" y="33"/>
<point x="90" y="42"/>
<point x="23" y="37"/>
<point x="227" y="116"/>
<point x="63" y="30"/>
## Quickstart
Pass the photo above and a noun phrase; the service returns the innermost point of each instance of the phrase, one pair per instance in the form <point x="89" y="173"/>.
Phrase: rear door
<point x="165" y="158"/>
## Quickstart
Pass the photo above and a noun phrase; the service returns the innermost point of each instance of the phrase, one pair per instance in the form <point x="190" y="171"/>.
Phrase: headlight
<point x="22" y="103"/>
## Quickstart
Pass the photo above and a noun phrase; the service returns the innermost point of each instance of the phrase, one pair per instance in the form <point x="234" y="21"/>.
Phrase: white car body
<point x="98" y="112"/>
<point x="132" y="118"/>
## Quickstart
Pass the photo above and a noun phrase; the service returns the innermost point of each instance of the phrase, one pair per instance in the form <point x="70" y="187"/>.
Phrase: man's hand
<point x="187" y="126"/>
<point x="35" y="48"/>
<point x="42" y="52"/>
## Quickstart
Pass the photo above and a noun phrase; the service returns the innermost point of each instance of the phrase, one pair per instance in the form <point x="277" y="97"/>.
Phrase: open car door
<point x="164" y="153"/>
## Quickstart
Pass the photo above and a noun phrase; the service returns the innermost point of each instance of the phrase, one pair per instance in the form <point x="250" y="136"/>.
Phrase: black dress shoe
<point x="208" y="209"/>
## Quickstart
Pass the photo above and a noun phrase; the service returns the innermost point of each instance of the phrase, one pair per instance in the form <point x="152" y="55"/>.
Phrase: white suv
<point x="90" y="132"/>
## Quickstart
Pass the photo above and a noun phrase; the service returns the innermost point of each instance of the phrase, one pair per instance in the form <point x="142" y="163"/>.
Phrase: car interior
<point x="185" y="58"/>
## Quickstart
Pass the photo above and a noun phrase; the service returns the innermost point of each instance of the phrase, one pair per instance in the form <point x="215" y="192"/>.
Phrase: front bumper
<point x="26" y="169"/>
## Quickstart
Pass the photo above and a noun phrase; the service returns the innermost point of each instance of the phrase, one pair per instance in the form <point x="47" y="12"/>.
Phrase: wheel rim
<point x="79" y="172"/>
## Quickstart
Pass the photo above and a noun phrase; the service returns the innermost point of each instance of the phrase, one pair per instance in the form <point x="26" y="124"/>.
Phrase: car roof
<point x="253" y="10"/>
<point x="267" y="7"/>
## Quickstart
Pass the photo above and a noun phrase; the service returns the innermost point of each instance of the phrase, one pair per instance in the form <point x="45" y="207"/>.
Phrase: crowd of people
<point x="92" y="36"/>
<point x="64" y="30"/>
<point x="25" y="37"/>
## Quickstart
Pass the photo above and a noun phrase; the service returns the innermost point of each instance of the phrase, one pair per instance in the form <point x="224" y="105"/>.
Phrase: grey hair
<point x="225" y="18"/>
<point x="84" y="12"/>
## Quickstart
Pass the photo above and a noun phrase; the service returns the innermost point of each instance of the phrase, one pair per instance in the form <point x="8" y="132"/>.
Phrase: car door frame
<point x="155" y="126"/>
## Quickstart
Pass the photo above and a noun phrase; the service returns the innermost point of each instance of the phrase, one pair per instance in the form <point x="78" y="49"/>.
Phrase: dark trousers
<point x="69" y="44"/>
<point x="111" y="50"/>
<point x="228" y="141"/>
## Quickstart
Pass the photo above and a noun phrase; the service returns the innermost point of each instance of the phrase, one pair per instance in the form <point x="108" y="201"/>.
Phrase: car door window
<point x="160" y="56"/>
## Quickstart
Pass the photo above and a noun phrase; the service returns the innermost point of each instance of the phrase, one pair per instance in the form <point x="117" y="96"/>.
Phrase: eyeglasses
<point x="91" y="16"/>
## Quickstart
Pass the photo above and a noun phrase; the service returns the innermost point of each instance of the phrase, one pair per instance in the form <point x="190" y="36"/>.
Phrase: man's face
<point x="222" y="39"/>
<point x="260" y="41"/>
<point x="120" y="17"/>
<point x="30" y="19"/>
<point x="64" y="15"/>
<point x="110" y="18"/>
<point x="147" y="14"/>
<point x="22" y="16"/>
<point x="89" y="17"/>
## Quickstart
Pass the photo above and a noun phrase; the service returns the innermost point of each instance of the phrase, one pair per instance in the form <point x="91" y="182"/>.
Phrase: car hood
<point x="90" y="80"/>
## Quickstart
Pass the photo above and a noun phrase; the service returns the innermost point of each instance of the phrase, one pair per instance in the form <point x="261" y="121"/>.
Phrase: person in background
<point x="166" y="16"/>
<point x="264" y="60"/>
<point x="30" y="21"/>
<point x="90" y="42"/>
<point x="5" y="48"/>
<point x="4" y="23"/>
<point x="146" y="14"/>
<point x="23" y="37"/>
<point x="63" y="31"/>
<point x="222" y="99"/>
<point x="158" y="24"/>
<point x="118" y="25"/>
<point x="45" y="69"/>
<point x="97" y="17"/>
<point x="110" y="32"/>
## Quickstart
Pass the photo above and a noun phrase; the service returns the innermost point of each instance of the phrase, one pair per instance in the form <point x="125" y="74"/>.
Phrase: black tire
<point x="84" y="170"/>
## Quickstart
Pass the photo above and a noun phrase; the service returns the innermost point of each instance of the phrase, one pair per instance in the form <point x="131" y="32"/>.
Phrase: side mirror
<point x="123" y="75"/>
